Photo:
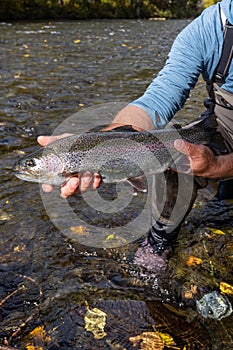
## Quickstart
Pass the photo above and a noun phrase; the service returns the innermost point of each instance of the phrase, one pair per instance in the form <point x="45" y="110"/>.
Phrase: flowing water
<point x="56" y="293"/>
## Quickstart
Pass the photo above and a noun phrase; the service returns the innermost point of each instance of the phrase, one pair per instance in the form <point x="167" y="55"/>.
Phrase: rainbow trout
<point x="117" y="155"/>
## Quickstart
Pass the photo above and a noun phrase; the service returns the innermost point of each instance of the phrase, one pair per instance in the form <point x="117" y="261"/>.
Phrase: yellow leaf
<point x="189" y="293"/>
<point x="38" y="332"/>
<point x="95" y="321"/>
<point x="148" y="341"/>
<point x="226" y="288"/>
<point x="77" y="41"/>
<point x="38" y="337"/>
<point x="81" y="104"/>
<point x="19" y="248"/>
<point x="124" y="45"/>
<point x="193" y="261"/>
<point x="216" y="232"/>
<point x="26" y="55"/>
<point x="166" y="338"/>
<point x="110" y="237"/>
<point x="79" y="230"/>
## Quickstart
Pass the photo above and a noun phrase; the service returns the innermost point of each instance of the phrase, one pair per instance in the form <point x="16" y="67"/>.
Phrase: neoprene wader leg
<point x="172" y="199"/>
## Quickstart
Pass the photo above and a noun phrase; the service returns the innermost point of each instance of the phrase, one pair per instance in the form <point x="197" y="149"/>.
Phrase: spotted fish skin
<point x="116" y="155"/>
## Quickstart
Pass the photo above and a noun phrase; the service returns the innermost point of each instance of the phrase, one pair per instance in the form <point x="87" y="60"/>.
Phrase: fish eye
<point x="29" y="163"/>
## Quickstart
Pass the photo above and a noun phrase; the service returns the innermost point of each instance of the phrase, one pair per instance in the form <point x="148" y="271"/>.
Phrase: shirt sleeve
<point x="169" y="90"/>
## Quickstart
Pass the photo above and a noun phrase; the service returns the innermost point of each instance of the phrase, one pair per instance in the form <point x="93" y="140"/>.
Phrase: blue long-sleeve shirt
<point x="196" y="50"/>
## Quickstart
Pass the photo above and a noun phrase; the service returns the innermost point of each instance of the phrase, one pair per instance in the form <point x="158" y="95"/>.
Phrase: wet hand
<point x="202" y="160"/>
<point x="83" y="182"/>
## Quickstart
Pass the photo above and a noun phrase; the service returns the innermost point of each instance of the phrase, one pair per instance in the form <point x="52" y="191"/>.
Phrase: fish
<point x="121" y="154"/>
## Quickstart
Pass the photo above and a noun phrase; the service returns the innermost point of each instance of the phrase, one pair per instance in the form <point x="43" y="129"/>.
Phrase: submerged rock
<point x="214" y="305"/>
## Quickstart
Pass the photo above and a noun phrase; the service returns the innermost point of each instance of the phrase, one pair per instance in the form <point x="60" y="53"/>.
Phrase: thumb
<point x="46" y="140"/>
<point x="184" y="147"/>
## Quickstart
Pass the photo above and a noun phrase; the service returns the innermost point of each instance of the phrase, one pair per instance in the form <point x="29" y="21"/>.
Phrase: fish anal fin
<point x="139" y="184"/>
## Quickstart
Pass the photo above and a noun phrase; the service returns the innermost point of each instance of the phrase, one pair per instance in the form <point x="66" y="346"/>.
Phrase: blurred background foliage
<point x="97" y="9"/>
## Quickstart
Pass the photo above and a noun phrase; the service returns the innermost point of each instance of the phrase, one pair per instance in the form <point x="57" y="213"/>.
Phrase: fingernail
<point x="47" y="188"/>
<point x="74" y="182"/>
<point x="179" y="143"/>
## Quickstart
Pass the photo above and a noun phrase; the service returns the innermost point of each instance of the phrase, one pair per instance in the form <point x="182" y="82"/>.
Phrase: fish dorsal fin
<point x="121" y="128"/>
<point x="124" y="128"/>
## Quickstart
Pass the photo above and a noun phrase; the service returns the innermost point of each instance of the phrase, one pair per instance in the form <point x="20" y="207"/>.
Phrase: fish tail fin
<point x="207" y="121"/>
<point x="217" y="144"/>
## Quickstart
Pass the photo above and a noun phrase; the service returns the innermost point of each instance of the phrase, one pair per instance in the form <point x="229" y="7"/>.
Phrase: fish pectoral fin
<point x="138" y="183"/>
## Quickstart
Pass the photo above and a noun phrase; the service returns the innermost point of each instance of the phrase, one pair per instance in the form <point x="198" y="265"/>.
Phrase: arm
<point x="195" y="51"/>
<point x="132" y="115"/>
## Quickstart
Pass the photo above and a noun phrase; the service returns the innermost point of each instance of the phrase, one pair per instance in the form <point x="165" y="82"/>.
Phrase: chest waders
<point x="171" y="199"/>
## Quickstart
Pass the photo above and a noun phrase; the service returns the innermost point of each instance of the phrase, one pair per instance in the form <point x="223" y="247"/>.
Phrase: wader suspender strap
<point x="226" y="57"/>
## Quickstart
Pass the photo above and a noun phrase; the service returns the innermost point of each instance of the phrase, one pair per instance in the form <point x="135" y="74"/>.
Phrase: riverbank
<point x="76" y="10"/>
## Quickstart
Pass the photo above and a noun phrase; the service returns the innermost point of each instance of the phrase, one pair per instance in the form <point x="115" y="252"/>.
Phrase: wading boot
<point x="153" y="253"/>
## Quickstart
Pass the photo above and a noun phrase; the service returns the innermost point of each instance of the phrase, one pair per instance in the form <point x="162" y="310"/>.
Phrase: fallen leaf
<point x="166" y="338"/>
<point x="226" y="288"/>
<point x="216" y="231"/>
<point x="110" y="237"/>
<point x="193" y="261"/>
<point x="95" y="321"/>
<point x="37" y="338"/>
<point x="79" y="230"/>
<point x="188" y="294"/>
<point x="148" y="341"/>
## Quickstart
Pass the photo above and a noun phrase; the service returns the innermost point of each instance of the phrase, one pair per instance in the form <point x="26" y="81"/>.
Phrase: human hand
<point x="202" y="160"/>
<point x="83" y="182"/>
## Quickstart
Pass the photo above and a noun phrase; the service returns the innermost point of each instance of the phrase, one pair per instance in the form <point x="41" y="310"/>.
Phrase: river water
<point x="56" y="293"/>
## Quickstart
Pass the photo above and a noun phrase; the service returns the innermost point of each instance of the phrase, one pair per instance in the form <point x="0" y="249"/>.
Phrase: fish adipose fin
<point x="208" y="122"/>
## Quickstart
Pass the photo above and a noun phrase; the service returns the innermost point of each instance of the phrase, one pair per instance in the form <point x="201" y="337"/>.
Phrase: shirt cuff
<point x="158" y="122"/>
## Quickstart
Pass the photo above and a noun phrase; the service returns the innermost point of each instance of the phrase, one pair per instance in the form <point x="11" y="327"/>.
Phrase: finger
<point x="184" y="147"/>
<point x="96" y="181"/>
<point x="86" y="181"/>
<point x="70" y="187"/>
<point x="47" y="188"/>
<point x="45" y="140"/>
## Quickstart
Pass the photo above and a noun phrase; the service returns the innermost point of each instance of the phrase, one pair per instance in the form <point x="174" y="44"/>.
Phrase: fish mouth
<point x="31" y="176"/>
<point x="25" y="174"/>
